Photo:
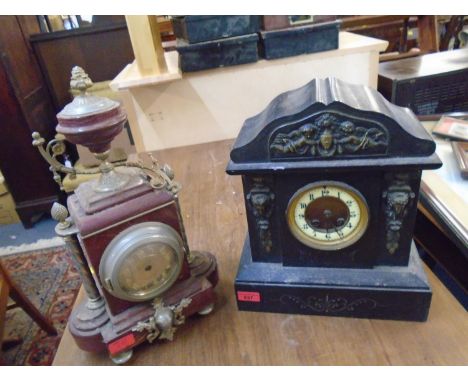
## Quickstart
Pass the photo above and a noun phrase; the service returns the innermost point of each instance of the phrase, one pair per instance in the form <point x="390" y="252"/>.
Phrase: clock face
<point x="146" y="268"/>
<point x="142" y="261"/>
<point x="327" y="215"/>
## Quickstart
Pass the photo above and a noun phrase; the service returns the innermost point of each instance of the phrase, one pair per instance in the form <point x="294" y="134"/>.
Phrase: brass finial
<point x="37" y="139"/>
<point x="60" y="213"/>
<point x="80" y="80"/>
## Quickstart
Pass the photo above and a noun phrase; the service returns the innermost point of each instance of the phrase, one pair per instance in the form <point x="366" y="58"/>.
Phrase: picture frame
<point x="452" y="128"/>
<point x="460" y="150"/>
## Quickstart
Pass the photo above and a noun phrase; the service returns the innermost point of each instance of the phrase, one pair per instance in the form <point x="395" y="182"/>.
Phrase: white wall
<point x="212" y="105"/>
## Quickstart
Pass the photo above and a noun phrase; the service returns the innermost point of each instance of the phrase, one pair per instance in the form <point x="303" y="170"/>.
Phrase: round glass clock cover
<point x="142" y="261"/>
<point x="327" y="215"/>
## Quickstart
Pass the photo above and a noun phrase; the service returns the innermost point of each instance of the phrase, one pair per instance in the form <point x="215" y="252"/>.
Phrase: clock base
<point x="96" y="330"/>
<point x="383" y="292"/>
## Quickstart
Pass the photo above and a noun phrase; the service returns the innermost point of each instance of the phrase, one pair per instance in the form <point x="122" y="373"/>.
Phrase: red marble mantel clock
<point x="126" y="235"/>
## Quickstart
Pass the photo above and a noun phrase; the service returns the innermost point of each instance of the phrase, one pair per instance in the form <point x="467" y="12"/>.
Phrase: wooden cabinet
<point x="103" y="51"/>
<point x="25" y="106"/>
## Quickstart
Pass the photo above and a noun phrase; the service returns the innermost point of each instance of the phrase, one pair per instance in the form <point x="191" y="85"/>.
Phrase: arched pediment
<point x="331" y="120"/>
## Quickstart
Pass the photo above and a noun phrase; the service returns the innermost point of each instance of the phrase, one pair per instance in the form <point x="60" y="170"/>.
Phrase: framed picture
<point x="460" y="150"/>
<point x="452" y="128"/>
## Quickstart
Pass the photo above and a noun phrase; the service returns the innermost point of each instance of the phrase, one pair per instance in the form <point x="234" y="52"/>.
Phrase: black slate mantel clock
<point x="331" y="175"/>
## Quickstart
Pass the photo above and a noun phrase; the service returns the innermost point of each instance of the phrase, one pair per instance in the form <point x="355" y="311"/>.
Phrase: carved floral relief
<point x="260" y="200"/>
<point x="398" y="198"/>
<point x="330" y="135"/>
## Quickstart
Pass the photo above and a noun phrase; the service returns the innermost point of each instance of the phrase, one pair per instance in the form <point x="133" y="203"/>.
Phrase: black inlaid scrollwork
<point x="328" y="304"/>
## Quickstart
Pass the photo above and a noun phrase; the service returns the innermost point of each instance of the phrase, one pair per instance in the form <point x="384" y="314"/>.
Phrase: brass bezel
<point x="124" y="244"/>
<point x="332" y="245"/>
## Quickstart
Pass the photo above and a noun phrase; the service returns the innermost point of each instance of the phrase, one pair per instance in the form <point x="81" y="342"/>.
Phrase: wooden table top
<point x="213" y="210"/>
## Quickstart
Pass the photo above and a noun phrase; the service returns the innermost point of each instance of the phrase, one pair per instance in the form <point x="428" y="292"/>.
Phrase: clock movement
<point x="331" y="175"/>
<point x="126" y="235"/>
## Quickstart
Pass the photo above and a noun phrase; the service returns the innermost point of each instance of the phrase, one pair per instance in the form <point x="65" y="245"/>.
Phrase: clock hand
<point x="339" y="234"/>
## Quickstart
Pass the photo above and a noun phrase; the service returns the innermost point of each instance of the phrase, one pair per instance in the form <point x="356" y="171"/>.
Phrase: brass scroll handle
<point x="159" y="176"/>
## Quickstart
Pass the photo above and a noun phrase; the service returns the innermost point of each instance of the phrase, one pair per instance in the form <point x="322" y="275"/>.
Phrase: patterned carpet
<point x="50" y="280"/>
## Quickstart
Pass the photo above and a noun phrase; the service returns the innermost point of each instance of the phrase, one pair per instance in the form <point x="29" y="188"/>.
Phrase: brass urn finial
<point x="80" y="80"/>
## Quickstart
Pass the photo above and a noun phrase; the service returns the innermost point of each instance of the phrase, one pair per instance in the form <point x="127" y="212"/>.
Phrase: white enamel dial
<point x="327" y="215"/>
